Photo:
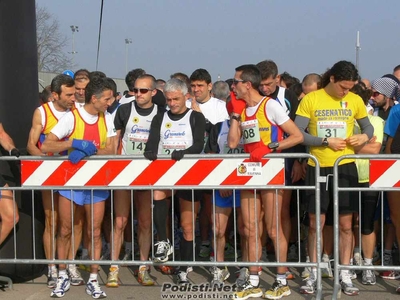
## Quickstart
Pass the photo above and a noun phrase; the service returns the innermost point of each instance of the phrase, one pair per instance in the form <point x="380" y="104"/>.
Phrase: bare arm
<point x="53" y="144"/>
<point x="369" y="148"/>
<point x="110" y="147"/>
<point x="34" y="134"/>
<point x="234" y="134"/>
<point x="295" y="135"/>
<point x="5" y="140"/>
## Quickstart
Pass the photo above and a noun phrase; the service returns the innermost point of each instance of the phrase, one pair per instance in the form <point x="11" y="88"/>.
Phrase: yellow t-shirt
<point x="331" y="117"/>
<point x="363" y="164"/>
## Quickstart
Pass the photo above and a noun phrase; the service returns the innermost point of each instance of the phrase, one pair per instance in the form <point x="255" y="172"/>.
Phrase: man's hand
<point x="357" y="140"/>
<point x="177" y="154"/>
<point x="150" y="155"/>
<point x="195" y="106"/>
<point x="85" y="146"/>
<point x="76" y="156"/>
<point x="14" y="152"/>
<point x="257" y="154"/>
<point x="337" y="144"/>
<point x="297" y="171"/>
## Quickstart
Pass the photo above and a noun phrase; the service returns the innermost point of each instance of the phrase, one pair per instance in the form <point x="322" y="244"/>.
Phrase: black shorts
<point x="188" y="195"/>
<point x="3" y="182"/>
<point x="348" y="201"/>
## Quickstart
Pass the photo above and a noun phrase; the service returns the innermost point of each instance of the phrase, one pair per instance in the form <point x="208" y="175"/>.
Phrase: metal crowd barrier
<point x="382" y="178"/>
<point x="195" y="172"/>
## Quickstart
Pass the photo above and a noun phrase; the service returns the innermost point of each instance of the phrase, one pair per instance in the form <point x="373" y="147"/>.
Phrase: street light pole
<point x="358" y="48"/>
<point x="127" y="42"/>
<point x="74" y="29"/>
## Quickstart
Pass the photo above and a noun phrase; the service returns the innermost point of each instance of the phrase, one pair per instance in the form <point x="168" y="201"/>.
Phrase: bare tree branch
<point x="50" y="43"/>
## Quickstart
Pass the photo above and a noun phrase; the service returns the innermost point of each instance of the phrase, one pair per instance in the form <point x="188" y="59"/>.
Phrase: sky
<point x="220" y="35"/>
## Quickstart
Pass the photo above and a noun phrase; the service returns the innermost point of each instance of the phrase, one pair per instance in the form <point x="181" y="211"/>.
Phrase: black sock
<point x="186" y="249"/>
<point x="160" y="214"/>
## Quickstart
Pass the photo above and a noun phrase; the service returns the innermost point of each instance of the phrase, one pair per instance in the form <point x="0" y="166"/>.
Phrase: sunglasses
<point x="236" y="81"/>
<point x="376" y="94"/>
<point x="141" y="90"/>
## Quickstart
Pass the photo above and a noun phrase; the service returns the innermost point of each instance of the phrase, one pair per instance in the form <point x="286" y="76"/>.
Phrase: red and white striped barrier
<point x="384" y="173"/>
<point x="164" y="173"/>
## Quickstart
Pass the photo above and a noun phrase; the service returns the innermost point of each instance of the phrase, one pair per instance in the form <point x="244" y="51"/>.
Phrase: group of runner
<point x="254" y="114"/>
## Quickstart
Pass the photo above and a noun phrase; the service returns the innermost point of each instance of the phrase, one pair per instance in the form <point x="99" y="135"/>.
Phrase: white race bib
<point x="331" y="129"/>
<point x="251" y="132"/>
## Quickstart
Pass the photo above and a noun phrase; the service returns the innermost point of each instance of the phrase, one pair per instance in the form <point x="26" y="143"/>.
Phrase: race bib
<point x="136" y="143"/>
<point x="239" y="149"/>
<point x="169" y="146"/>
<point x="251" y="132"/>
<point x="331" y="129"/>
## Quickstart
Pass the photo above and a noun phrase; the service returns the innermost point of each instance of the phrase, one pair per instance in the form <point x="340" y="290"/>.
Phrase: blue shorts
<point x="82" y="197"/>
<point x="227" y="201"/>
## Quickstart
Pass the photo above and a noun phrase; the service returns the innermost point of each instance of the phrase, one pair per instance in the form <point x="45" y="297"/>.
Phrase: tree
<point x="50" y="43"/>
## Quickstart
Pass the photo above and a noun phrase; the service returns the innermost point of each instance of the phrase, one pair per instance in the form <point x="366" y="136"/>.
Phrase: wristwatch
<point x="235" y="117"/>
<point x="273" y="146"/>
<point x="325" y="142"/>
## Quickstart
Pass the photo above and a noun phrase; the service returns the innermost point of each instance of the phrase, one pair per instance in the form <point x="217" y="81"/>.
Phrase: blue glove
<point x="86" y="146"/>
<point x="76" y="156"/>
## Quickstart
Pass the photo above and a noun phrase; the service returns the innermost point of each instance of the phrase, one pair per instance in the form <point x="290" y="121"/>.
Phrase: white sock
<point x="254" y="280"/>
<point x="62" y="273"/>
<point x="114" y="266"/>
<point x="93" y="276"/>
<point x="368" y="261"/>
<point x="281" y="278"/>
<point x="51" y="269"/>
<point x="314" y="272"/>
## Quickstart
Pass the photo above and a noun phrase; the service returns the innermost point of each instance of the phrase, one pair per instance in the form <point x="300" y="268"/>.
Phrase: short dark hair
<point x="201" y="75"/>
<point x="97" y="74"/>
<point x="288" y="79"/>
<point x="131" y="77"/>
<point x="151" y="77"/>
<point x="96" y="86"/>
<point x="309" y="79"/>
<point x="82" y="74"/>
<point x="114" y="86"/>
<point x="251" y="74"/>
<point x="45" y="94"/>
<point x="60" y="80"/>
<point x="342" y="70"/>
<point x="267" y="69"/>
<point x="184" y="78"/>
<point x="297" y="89"/>
<point x="396" y="68"/>
<point x="361" y="90"/>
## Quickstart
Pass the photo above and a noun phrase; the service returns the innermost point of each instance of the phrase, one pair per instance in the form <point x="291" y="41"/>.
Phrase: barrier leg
<point x="7" y="280"/>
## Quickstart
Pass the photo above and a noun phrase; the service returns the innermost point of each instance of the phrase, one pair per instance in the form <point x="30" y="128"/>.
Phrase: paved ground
<point x="130" y="289"/>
